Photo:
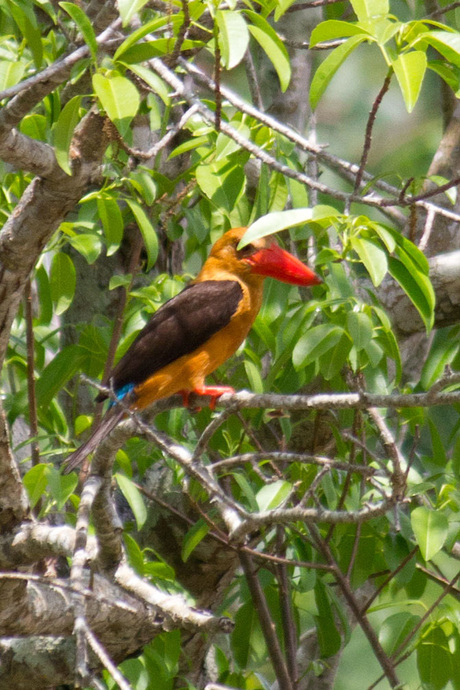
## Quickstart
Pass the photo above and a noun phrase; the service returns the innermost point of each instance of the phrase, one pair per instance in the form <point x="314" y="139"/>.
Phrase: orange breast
<point x="189" y="372"/>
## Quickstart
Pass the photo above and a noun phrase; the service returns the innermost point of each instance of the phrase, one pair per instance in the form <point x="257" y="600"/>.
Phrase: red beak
<point x="274" y="262"/>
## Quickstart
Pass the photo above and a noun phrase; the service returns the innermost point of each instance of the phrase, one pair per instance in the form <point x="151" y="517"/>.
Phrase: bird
<point x="196" y="331"/>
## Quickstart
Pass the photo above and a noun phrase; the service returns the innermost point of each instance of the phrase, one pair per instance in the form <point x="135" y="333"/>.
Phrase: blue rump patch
<point x="122" y="392"/>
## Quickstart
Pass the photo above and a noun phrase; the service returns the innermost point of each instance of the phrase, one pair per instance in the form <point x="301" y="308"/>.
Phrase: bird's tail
<point x="109" y="422"/>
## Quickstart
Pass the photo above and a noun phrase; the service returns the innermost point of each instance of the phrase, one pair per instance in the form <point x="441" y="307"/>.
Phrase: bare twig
<point x="31" y="393"/>
<point x="369" y="128"/>
<point x="266" y="623"/>
<point x="349" y="596"/>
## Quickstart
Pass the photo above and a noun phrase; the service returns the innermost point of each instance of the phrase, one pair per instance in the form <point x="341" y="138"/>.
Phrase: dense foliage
<point x="132" y="135"/>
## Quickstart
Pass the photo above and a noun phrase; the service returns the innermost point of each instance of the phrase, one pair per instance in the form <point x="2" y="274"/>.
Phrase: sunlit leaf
<point x="233" y="37"/>
<point x="83" y="22"/>
<point x="360" y="329"/>
<point x="272" y="495"/>
<point x="61" y="369"/>
<point x="332" y="29"/>
<point x="10" y="73"/>
<point x="430" y="529"/>
<point x="434" y="660"/>
<point x="194" y="536"/>
<point x="410" y="70"/>
<point x="445" y="42"/>
<point x="270" y="42"/>
<point x="63" y="280"/>
<point x="112" y="222"/>
<point x="281" y="220"/>
<point x="417" y="287"/>
<point x="119" y="98"/>
<point x="395" y="629"/>
<point x="314" y="343"/>
<point x="35" y="482"/>
<point x="330" y="65"/>
<point x="373" y="257"/>
<point x="148" y="232"/>
<point x="370" y="9"/>
<point x="63" y="132"/>
<point x="328" y="636"/>
<point x="128" y="8"/>
<point x="134" y="498"/>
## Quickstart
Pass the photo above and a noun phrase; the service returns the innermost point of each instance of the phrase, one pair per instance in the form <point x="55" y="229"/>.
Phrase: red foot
<point x="213" y="391"/>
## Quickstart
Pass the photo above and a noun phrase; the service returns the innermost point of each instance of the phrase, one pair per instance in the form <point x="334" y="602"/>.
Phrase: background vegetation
<point x="305" y="534"/>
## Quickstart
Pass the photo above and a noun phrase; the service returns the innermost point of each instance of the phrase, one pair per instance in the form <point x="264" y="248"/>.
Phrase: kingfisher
<point x="196" y="331"/>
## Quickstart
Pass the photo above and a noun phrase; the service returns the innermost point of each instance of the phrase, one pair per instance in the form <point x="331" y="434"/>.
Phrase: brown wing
<point x="178" y="328"/>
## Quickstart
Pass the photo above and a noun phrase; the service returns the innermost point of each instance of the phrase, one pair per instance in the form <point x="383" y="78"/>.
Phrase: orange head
<point x="263" y="257"/>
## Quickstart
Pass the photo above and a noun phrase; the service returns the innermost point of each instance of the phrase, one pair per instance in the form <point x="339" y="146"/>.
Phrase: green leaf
<point x="84" y="24"/>
<point x="61" y="486"/>
<point x="270" y="42"/>
<point x="360" y="329"/>
<point x="193" y="537"/>
<point x="63" y="280"/>
<point x="332" y="361"/>
<point x="281" y="7"/>
<point x="25" y="19"/>
<point x="63" y="132"/>
<point x="233" y="37"/>
<point x="430" y="529"/>
<point x="330" y="65"/>
<point x="328" y="636"/>
<point x="417" y="287"/>
<point x="222" y="182"/>
<point x="10" y="73"/>
<point x="254" y="376"/>
<point x="445" y="42"/>
<point x="62" y="367"/>
<point x="372" y="256"/>
<point x="395" y="629"/>
<point x="119" y="98"/>
<point x="367" y="10"/>
<point x="410" y="69"/>
<point x="272" y="495"/>
<point x="138" y="34"/>
<point x="447" y="72"/>
<point x="315" y="343"/>
<point x="87" y="245"/>
<point x="434" y="660"/>
<point x="112" y="222"/>
<point x="246" y="489"/>
<point x="225" y="146"/>
<point x="134" y="553"/>
<point x="246" y="628"/>
<point x="147" y="231"/>
<point x="155" y="82"/>
<point x="280" y="220"/>
<point x="134" y="498"/>
<point x="333" y="29"/>
<point x="128" y="8"/>
<point x="407" y="251"/>
<point x="35" y="482"/>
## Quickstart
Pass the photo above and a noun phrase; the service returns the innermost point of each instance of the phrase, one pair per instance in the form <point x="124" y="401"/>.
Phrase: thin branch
<point x="447" y="590"/>
<point x="57" y="72"/>
<point x="31" y="392"/>
<point x="106" y="661"/>
<point x="369" y="128"/>
<point x="77" y="574"/>
<point x="289" y="626"/>
<point x="388" y="579"/>
<point x="284" y="457"/>
<point x="349" y="596"/>
<point x="266" y="623"/>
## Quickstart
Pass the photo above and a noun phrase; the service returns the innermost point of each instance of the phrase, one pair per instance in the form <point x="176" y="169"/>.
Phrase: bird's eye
<point x="247" y="251"/>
